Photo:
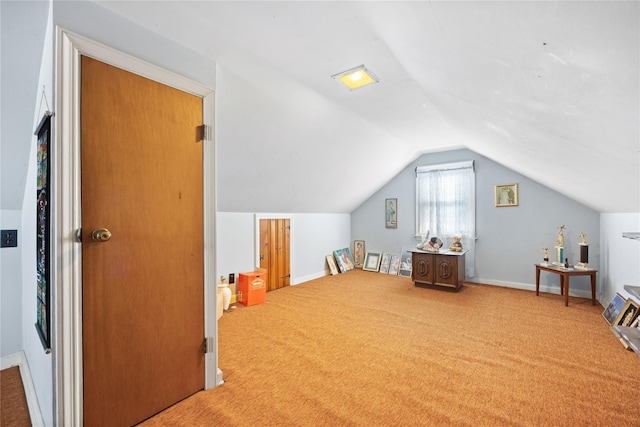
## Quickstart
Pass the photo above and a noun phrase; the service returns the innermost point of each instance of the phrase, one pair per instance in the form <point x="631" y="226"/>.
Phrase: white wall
<point x="313" y="236"/>
<point x="40" y="363"/>
<point x="620" y="257"/>
<point x="510" y="240"/>
<point x="11" y="290"/>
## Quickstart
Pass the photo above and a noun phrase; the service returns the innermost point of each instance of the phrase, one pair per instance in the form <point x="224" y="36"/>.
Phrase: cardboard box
<point x="252" y="287"/>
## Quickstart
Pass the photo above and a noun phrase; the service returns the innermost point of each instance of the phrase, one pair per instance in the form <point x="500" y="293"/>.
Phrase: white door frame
<point x="67" y="252"/>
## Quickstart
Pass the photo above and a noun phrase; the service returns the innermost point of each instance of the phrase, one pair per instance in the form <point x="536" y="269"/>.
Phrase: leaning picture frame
<point x="506" y="195"/>
<point x="614" y="308"/>
<point x="372" y="261"/>
<point x="344" y="260"/>
<point x="391" y="213"/>
<point x="331" y="262"/>
<point x="358" y="253"/>
<point x="628" y="313"/>
<point x="385" y="262"/>
<point x="394" y="264"/>
<point x="406" y="262"/>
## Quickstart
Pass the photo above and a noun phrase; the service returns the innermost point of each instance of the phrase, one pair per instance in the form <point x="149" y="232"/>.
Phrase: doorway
<point x="274" y="253"/>
<point x="142" y="245"/>
<point x="68" y="272"/>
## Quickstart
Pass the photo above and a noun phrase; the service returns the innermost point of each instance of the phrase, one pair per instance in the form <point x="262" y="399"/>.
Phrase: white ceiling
<point x="549" y="89"/>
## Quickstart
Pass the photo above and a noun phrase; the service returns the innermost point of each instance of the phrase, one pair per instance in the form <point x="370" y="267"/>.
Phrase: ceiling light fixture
<point x="357" y="77"/>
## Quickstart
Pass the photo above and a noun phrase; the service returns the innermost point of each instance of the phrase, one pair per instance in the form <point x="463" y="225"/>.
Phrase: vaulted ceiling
<point x="549" y="89"/>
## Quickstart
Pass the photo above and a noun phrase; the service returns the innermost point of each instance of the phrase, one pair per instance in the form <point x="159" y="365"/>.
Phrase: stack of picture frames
<point x="341" y="261"/>
<point x="623" y="313"/>
<point x="397" y="264"/>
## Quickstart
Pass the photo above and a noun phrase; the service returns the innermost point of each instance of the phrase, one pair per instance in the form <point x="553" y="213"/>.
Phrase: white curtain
<point x="446" y="205"/>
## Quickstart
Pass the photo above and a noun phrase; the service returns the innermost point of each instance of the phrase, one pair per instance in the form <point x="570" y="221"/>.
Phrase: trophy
<point x="584" y="252"/>
<point x="560" y="247"/>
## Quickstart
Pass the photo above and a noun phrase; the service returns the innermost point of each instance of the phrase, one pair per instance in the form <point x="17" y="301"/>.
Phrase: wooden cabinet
<point x="445" y="269"/>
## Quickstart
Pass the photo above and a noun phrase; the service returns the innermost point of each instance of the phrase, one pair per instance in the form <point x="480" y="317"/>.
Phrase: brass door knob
<point x="101" y="235"/>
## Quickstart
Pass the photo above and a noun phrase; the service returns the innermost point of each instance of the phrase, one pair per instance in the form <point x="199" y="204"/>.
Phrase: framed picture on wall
<point x="506" y="195"/>
<point x="43" y="226"/>
<point x="391" y="213"/>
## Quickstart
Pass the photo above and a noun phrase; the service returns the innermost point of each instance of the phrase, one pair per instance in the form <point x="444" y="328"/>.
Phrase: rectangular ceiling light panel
<point x="357" y="77"/>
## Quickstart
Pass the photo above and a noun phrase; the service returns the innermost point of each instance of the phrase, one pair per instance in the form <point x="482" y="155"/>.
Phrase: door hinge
<point x="79" y="235"/>
<point x="203" y="133"/>
<point x="208" y="345"/>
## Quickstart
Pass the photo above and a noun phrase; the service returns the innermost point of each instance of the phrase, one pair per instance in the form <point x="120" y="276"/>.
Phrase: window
<point x="446" y="205"/>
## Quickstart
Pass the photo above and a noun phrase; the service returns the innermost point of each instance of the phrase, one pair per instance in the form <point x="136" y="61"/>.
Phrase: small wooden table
<point x="565" y="274"/>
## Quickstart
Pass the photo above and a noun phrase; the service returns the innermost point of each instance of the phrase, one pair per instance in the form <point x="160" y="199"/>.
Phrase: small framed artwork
<point x="343" y="259"/>
<point x="43" y="232"/>
<point x="371" y="261"/>
<point x="385" y="262"/>
<point x="614" y="308"/>
<point x="391" y="213"/>
<point x="506" y="195"/>
<point x="406" y="264"/>
<point x="358" y="253"/>
<point x="394" y="264"/>
<point x="628" y="313"/>
<point x="331" y="262"/>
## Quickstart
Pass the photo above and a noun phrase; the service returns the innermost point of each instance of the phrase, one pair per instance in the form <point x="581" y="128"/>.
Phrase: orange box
<point x="252" y="287"/>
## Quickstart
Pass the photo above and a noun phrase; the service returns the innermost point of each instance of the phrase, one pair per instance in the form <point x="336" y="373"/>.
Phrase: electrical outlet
<point x="9" y="238"/>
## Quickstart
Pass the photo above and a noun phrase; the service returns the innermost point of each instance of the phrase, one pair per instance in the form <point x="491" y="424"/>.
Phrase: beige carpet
<point x="367" y="349"/>
<point x="13" y="402"/>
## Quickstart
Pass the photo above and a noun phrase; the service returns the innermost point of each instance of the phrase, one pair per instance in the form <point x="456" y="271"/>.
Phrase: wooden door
<point x="274" y="251"/>
<point x="143" y="289"/>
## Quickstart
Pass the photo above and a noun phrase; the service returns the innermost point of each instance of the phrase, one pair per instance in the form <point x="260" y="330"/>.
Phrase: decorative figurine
<point x="456" y="246"/>
<point x="423" y="243"/>
<point x="566" y="263"/>
<point x="546" y="255"/>
<point x="583" y="239"/>
<point x="433" y="245"/>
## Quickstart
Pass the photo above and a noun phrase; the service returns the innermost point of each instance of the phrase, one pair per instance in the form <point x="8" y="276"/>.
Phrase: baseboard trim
<point x="308" y="277"/>
<point x="20" y="359"/>
<point x="580" y="293"/>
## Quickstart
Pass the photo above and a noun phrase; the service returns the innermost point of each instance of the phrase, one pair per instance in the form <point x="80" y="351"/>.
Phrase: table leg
<point x="537" y="280"/>
<point x="566" y="290"/>
<point x="593" y="288"/>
